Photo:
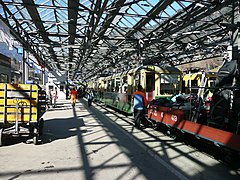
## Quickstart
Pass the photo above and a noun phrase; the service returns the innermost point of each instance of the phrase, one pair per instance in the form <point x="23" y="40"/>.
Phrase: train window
<point x="194" y="83"/>
<point x="108" y="86"/>
<point x="137" y="80"/>
<point x="112" y="85"/>
<point x="124" y="85"/>
<point x="169" y="84"/>
<point x="4" y="78"/>
<point x="211" y="83"/>
<point x="150" y="82"/>
<point x="124" y="79"/>
<point x="117" y="84"/>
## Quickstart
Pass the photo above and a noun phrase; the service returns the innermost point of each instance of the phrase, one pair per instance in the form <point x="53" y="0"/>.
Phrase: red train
<point x="217" y="121"/>
<point x="194" y="119"/>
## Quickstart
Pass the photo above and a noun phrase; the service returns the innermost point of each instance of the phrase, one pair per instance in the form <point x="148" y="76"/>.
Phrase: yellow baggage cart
<point x="21" y="110"/>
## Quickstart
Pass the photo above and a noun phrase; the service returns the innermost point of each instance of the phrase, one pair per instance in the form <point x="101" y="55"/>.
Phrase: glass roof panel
<point x="12" y="8"/>
<point x="170" y="11"/>
<point x="60" y="3"/>
<point x="62" y="15"/>
<point x="176" y="6"/>
<point x="138" y="9"/>
<point x="45" y="14"/>
<point x="126" y="20"/>
<point x="56" y="39"/>
<point x="152" y="23"/>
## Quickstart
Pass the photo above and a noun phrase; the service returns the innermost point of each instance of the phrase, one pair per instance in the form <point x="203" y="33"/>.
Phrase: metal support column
<point x="43" y="76"/>
<point x="235" y="31"/>
<point x="24" y="66"/>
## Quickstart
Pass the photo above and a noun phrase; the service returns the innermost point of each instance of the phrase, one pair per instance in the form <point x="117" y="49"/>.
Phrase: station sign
<point x="29" y="81"/>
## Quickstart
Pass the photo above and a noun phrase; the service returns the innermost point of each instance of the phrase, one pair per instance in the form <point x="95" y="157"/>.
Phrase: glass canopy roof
<point x="86" y="38"/>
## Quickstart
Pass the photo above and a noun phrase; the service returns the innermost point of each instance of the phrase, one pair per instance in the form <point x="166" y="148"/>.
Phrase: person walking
<point x="55" y="96"/>
<point x="139" y="103"/>
<point x="90" y="97"/>
<point x="49" y="97"/>
<point x="73" y="94"/>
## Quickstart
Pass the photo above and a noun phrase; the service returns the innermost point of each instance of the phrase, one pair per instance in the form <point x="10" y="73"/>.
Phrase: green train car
<point x="157" y="82"/>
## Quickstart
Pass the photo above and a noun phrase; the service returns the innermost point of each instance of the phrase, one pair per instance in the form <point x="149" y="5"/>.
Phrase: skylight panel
<point x="80" y="31"/>
<point x="62" y="3"/>
<point x="137" y="9"/>
<point x="53" y="29"/>
<point x="102" y="17"/>
<point x="128" y="22"/>
<point x="122" y="24"/>
<point x="62" y="29"/>
<point x="176" y="6"/>
<point x="12" y="8"/>
<point x="12" y="23"/>
<point x="186" y="3"/>
<point x="62" y="15"/>
<point x="43" y="2"/>
<point x="149" y="2"/>
<point x="164" y="15"/>
<point x="45" y="14"/>
<point x="152" y="23"/>
<point x="17" y="1"/>
<point x="87" y="3"/>
<point x="55" y="39"/>
<point x="25" y="25"/>
<point x="2" y="12"/>
<point x="170" y="11"/>
<point x="20" y="14"/>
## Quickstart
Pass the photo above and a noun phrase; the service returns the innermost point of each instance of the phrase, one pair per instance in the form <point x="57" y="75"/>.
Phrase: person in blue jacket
<point x="139" y="102"/>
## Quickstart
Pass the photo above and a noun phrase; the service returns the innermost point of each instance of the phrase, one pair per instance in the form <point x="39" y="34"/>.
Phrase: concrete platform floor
<point x="96" y="143"/>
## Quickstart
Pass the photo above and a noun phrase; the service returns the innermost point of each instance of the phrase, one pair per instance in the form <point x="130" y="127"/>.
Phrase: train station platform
<point x="96" y="142"/>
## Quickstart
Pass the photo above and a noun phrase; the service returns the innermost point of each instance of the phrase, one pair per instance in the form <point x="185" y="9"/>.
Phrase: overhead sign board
<point x="29" y="81"/>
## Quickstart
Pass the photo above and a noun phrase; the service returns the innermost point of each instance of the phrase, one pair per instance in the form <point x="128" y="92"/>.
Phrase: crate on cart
<point x="21" y="110"/>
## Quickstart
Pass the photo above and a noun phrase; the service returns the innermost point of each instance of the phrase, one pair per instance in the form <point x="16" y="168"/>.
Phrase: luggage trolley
<point x="21" y="110"/>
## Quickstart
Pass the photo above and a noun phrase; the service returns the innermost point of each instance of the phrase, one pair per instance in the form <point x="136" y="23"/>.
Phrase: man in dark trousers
<point x="139" y="102"/>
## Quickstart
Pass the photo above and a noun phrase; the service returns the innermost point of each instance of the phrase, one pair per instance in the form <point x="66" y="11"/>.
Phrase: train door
<point x="137" y="81"/>
<point x="150" y="86"/>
